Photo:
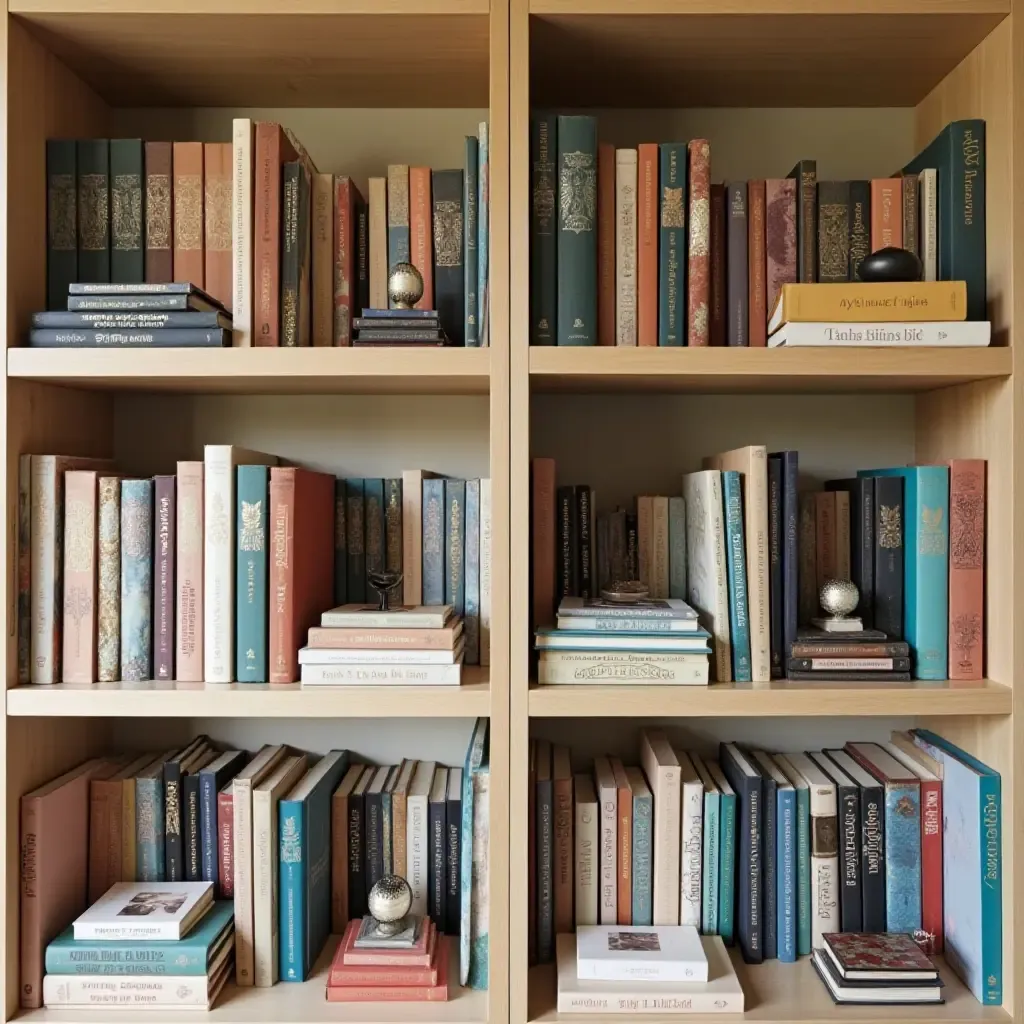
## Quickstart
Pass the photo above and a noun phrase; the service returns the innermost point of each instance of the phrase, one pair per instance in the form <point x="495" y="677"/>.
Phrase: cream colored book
<point x="608" y="798"/>
<point x="664" y="776"/>
<point x="659" y="547"/>
<point x="929" y="233"/>
<point x="378" y="240"/>
<point x="412" y="535"/>
<point x="188" y="584"/>
<point x="242" y="148"/>
<point x="625" y="246"/>
<point x="417" y="839"/>
<point x="692" y="841"/>
<point x="645" y="539"/>
<point x="587" y="851"/>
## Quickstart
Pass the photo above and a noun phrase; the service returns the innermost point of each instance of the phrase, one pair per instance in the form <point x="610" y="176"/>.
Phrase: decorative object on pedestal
<point x="890" y="264"/>
<point x="405" y="286"/>
<point x="839" y="598"/>
<point x="384" y="582"/>
<point x="389" y="923"/>
<point x="625" y="591"/>
<point x="402" y="324"/>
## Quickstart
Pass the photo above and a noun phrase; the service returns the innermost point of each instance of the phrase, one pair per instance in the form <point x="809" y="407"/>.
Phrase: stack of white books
<point x="659" y="969"/>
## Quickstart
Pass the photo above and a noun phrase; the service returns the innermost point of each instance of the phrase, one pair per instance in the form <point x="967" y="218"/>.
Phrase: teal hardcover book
<point x="470" y="200"/>
<point x="577" y="231"/>
<point x="374" y="542"/>
<point x="471" y="619"/>
<point x="150" y="848"/>
<point x="710" y="861"/>
<point x="726" y="854"/>
<point x="672" y="251"/>
<point x="455" y="544"/>
<point x="643" y="824"/>
<point x="925" y="565"/>
<point x="543" y="229"/>
<point x="387" y="835"/>
<point x="677" y="547"/>
<point x="251" y="533"/>
<point x="136" y="580"/>
<point x="803" y="857"/>
<point x="474" y="932"/>
<point x="736" y="561"/>
<point x="483" y="205"/>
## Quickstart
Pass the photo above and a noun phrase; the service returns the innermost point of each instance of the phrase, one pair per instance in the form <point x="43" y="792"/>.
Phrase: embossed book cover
<point x="966" y="568"/>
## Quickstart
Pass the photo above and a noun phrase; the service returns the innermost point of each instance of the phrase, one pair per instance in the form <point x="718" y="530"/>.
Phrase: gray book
<point x="737" y="289"/>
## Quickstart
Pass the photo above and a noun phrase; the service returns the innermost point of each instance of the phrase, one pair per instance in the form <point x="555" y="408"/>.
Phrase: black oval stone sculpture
<point x="890" y="264"/>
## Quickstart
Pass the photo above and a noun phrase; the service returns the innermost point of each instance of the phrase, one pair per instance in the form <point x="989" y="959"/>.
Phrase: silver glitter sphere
<point x="389" y="902"/>
<point x="839" y="598"/>
<point x="405" y="286"/>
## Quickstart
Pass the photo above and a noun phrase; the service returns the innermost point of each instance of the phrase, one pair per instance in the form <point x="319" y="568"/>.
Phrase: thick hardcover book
<point x="243" y="155"/>
<point x="888" y="556"/>
<point x="471" y="616"/>
<point x="756" y="264"/>
<point x="647" y="245"/>
<point x="453" y="852"/>
<point x="851" y="900"/>
<point x="700" y="281"/>
<point x="108" y="591"/>
<point x="139" y="321"/>
<point x="217" y="159"/>
<point x="717" y="284"/>
<point x="455" y="544"/>
<point x="164" y="564"/>
<point x="862" y="542"/>
<point x="398" y="215"/>
<point x="661" y="766"/>
<point x="159" y="260"/>
<point x="545" y="841"/>
<point x="433" y="542"/>
<point x="188" y="611"/>
<point x="672" y="246"/>
<point x="252" y="521"/>
<point x="726" y="919"/>
<point x="61" y="221"/>
<point x="958" y="154"/>
<point x="531" y="854"/>
<point x="802" y="843"/>
<point x="421" y="235"/>
<point x="150" y="821"/>
<point x="449" y="275"/>
<point x="189" y="261"/>
<point x="126" y="211"/>
<point x="737" y="284"/>
<point x="355" y="513"/>
<point x="356" y="834"/>
<point x="567" y="581"/>
<point x="345" y="259"/>
<point x="966" y="568"/>
<point x="437" y="834"/>
<point x="746" y="783"/>
<point x="790" y="534"/>
<point x="585" y="835"/>
<point x="886" y="213"/>
<point x="911" y="189"/>
<point x="576" y="174"/>
<point x="775" y="528"/>
<point x="626" y="165"/>
<point x="340" y="544"/>
<point x="676" y="548"/>
<point x="769" y="855"/>
<point x="471" y="184"/>
<point x="136" y="579"/>
<point x="605" y="244"/>
<point x="858" y="226"/>
<point x="294" y="242"/>
<point x="213" y="777"/>
<point x="543" y="271"/>
<point x="322" y="261"/>
<point x="739" y="621"/>
<point x="93" y="160"/>
<point x="174" y="770"/>
<point x="806" y="175"/>
<point x="643" y="816"/>
<point x="780" y="236"/>
<point x="833" y="231"/>
<point x="374" y="537"/>
<point x="483" y="235"/>
<point x="623" y="843"/>
<point x="80" y="570"/>
<point x="129" y="338"/>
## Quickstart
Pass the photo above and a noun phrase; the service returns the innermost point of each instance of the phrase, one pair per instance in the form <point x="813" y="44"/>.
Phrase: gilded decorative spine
<point x="756" y="264"/>
<point x="61" y="221"/>
<point x="911" y="188"/>
<point x="93" y="168"/>
<point x="164" y="501"/>
<point x="699" y="249"/>
<point x="136" y="579"/>
<point x="626" y="162"/>
<point x="647" y="245"/>
<point x="159" y="214"/>
<point x="374" y="526"/>
<point x="393" y="524"/>
<point x="454" y="544"/>
<point x="378" y="243"/>
<point x="344" y="258"/>
<point x="966" y="568"/>
<point x="109" y="586"/>
<point x="188" y="213"/>
<point x="398" y="214"/>
<point x="833" y="231"/>
<point x="543" y="268"/>
<point x="449" y="238"/>
<point x="322" y="273"/>
<point x="217" y="220"/>
<point x="421" y="237"/>
<point x="859" y="226"/>
<point x="433" y="542"/>
<point x="126" y="218"/>
<point x="672" y="246"/>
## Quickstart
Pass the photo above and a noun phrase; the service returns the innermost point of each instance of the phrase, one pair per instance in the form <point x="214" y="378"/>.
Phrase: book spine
<point x="862" y="539"/>
<point x="377" y="241"/>
<point x="785" y="860"/>
<point x="780" y="237"/>
<point x="226" y="843"/>
<point x="775" y="570"/>
<point x="387" y="833"/>
<point x="660" y="1003"/>
<point x="770" y="889"/>
<point x="929" y="223"/>
<point x="756" y="269"/>
<point x="926" y="570"/>
<point x="700" y="276"/>
<point x="626" y="170"/>
<point x="851" y="900"/>
<point x="139" y="959"/>
<point x="483" y="234"/>
<point x="208" y="829"/>
<point x="93" y="159"/>
<point x="843" y="535"/>
<point x="398" y="216"/>
<point x="567" y="582"/>
<point x="586" y="864"/>
<point x="356" y="833"/>
<point x="47" y="537"/>
<point x="107" y="304"/>
<point x="605" y="244"/>
<point x="455" y="544"/>
<point x="31" y="925"/>
<point x="252" y="542"/>
<point x="217" y="213"/>
<point x="129" y="825"/>
<point x="690" y="869"/>
<point x="584" y="535"/>
<point x="806" y="175"/>
<point x="284" y="660"/>
<point x="79" y="662"/>
<point x="453" y="864"/>
<point x="421" y="237"/>
<point x="167" y="337"/>
<point x="672" y="246"/>
<point x="242" y="163"/>
<point x="434" y="528"/>
<point x="362" y="243"/>
<point x="159" y="208"/>
<point x="417" y="851"/>
<point x="355" y="521"/>
<point x="609" y="850"/>
<point x="562" y="854"/>
<point x="750" y="896"/>
<point x="61" y="221"/>
<point x="738" y="265"/>
<point x="531" y="854"/>
<point x="739" y="621"/>
<point x="903" y="857"/>
<point x="393" y="537"/>
<point x="449" y="275"/>
<point x="188" y="626"/>
<point x="825" y="537"/>
<point x="136" y="579"/>
<point x="576" y="302"/>
<point x="293" y="867"/>
<point x="486" y="598"/>
<point x="267" y="230"/>
<point x="133" y="321"/>
<point x="545" y="841"/>
<point x="436" y="874"/>
<point x="790" y="547"/>
<point x="886" y="213"/>
<point x="709" y="864"/>
<point x="189" y="263"/>
<point x="126" y="211"/>
<point x="659" y="548"/>
<point x="647" y="245"/>
<point x="471" y="186"/>
<point x="373" y="524"/>
<point x="340" y="904"/>
<point x="173" y="820"/>
<point x="345" y="258"/>
<point x="644" y="532"/>
<point x="624" y="850"/>
<point x="966" y="568"/>
<point x="931" y="863"/>
<point x="911" y="188"/>
<point x="872" y="818"/>
<point x="642" y="903"/>
<point x="150" y="862"/>
<point x="218" y="567"/>
<point x="677" y="548"/>
<point x="104" y="837"/>
<point x="833" y="231"/>
<point x="824" y="866"/>
<point x="291" y="175"/>
<point x="192" y="840"/>
<point x="858" y="226"/>
<point x="803" y="871"/>
<point x="341" y="545"/>
<point x="165" y="520"/>
<point x="727" y="868"/>
<point x="265" y="885"/>
<point x="543" y="271"/>
<point x="25" y="550"/>
<point x="471" y="618"/>
<point x="717" y="284"/>
<point x="889" y="556"/>
<point x="322" y="256"/>
<point x="73" y="993"/>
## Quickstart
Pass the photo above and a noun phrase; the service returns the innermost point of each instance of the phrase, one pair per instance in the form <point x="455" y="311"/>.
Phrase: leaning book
<point x="140" y="910"/>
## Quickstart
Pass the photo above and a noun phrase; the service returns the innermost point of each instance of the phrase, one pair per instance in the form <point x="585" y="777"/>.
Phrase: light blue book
<point x="736" y="562"/>
<point x="642" y="864"/>
<point x="712" y="843"/>
<point x="972" y="870"/>
<point x="433" y="542"/>
<point x="474" y="932"/>
<point x="677" y="547"/>
<point x="925" y="565"/>
<point x="136" y="580"/>
<point x="470" y="207"/>
<point x="251" y="538"/>
<point x="483" y="205"/>
<point x="471" y="616"/>
<point x="304" y="871"/>
<point x="803" y="854"/>
<point x="726" y="853"/>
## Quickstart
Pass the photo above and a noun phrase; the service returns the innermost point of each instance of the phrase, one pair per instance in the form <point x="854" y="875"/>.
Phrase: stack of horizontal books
<point x="876" y="969"/>
<point x="866" y="655"/>
<point x="399" y="328"/>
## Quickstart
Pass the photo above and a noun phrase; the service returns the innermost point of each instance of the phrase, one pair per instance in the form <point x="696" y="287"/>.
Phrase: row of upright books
<point x="293" y="254"/>
<point x="774" y="851"/>
<point x="171" y="577"/>
<point x="638" y="247"/>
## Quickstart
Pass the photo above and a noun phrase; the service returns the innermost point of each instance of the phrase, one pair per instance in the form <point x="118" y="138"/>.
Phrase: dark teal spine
<point x="61" y="221"/>
<point x="251" y="539"/>
<point x="356" y="550"/>
<point x="543" y="262"/>
<point x="127" y="204"/>
<point x="577" y="231"/>
<point x="373" y="529"/>
<point x="93" y="211"/>
<point x="455" y="544"/>
<point x="471" y="182"/>
<point x="449" y="276"/>
<point x="672" y="254"/>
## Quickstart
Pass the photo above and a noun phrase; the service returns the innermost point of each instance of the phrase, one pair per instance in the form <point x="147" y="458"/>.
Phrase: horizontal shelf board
<point x="787" y="994"/>
<point x="601" y="368"/>
<point x="255" y="371"/>
<point x="302" y="1003"/>
<point x="778" y="699"/>
<point x="250" y="700"/>
<point x="751" y="53"/>
<point x="323" y="53"/>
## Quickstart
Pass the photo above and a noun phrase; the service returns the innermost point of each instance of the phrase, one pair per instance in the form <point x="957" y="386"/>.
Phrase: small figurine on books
<point x="402" y="324"/>
<point x="389" y="923"/>
<point x="839" y="598"/>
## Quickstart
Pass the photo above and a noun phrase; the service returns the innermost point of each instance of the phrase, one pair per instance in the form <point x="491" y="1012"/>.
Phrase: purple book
<point x="163" y="576"/>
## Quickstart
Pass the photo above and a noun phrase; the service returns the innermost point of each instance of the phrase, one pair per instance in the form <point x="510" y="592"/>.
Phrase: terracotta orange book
<point x="346" y="199"/>
<point x="322" y="257"/>
<point x="80" y="575"/>
<point x="217" y="220"/>
<point x="757" y="331"/>
<point x="188" y="604"/>
<point x="886" y="213"/>
<point x="301" y="577"/>
<point x="421" y="235"/>
<point x="966" y="568"/>
<point x="605" y="245"/>
<point x="421" y="954"/>
<point x="647" y="245"/>
<point x="543" y="515"/>
<point x="624" y="839"/>
<point x="189" y="264"/>
<point x="391" y="992"/>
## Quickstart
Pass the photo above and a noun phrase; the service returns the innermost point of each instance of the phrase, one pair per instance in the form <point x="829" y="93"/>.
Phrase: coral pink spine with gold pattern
<point x="966" y="568"/>
<point x="699" y="261"/>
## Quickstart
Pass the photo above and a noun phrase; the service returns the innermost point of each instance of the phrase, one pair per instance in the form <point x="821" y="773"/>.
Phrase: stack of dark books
<point x="876" y="969"/>
<point x="398" y="328"/>
<point x="865" y="655"/>
<point x="176" y="315"/>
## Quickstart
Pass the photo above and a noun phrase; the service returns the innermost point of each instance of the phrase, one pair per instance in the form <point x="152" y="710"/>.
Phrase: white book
<point x="587" y="851"/>
<point x="265" y="798"/>
<point x="669" y="613"/>
<point x="625" y="246"/>
<point x="242" y="149"/>
<point x="188" y="575"/>
<point x="692" y="842"/>
<point x="417" y="843"/>
<point x="640" y="953"/>
<point x="581" y="640"/>
<point x="608" y="797"/>
<point x="145" y="912"/>
<point x="928" y="237"/>
<point x="585" y="668"/>
<point x="707" y="587"/>
<point x="937" y="334"/>
<point x="664" y="776"/>
<point x="343" y="656"/>
<point x="219" y="518"/>
<point x="485" y="571"/>
<point x="241" y="813"/>
<point x="366" y="616"/>
<point x="381" y="675"/>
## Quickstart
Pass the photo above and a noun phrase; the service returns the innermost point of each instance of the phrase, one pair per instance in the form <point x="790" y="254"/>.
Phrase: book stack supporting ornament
<point x="401" y="326"/>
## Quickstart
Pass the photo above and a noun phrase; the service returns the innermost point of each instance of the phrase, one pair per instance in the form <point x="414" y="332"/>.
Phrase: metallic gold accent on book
<point x="447" y="233"/>
<point x="455" y="558"/>
<point x="890" y="527"/>
<point x="699" y="322"/>
<point x="433" y="528"/>
<point x="967" y="535"/>
<point x="135" y="515"/>
<point x="62" y="214"/>
<point x="93" y="212"/>
<point x="932" y="538"/>
<point x="126" y="212"/>
<point x="356" y="527"/>
<point x="577" y="194"/>
<point x="398" y="200"/>
<point x="673" y="214"/>
<point x="374" y="536"/>
<point x="173" y="812"/>
<point x="833" y="240"/>
<point x="218" y="214"/>
<point x="289" y="314"/>
<point x="188" y="211"/>
<point x="700" y="226"/>
<point x="158" y="211"/>
<point x="251" y="537"/>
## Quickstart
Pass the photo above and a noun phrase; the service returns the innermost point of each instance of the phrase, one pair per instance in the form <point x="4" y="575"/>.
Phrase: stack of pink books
<point x="416" y="974"/>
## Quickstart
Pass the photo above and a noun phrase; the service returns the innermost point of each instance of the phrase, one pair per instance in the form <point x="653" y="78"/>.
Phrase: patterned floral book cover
<point x="476" y="819"/>
<point x="136" y="579"/>
<point x="856" y="951"/>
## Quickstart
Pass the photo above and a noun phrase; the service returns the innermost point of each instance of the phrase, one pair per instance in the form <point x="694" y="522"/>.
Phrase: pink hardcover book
<point x="420" y="954"/>
<point x="80" y="576"/>
<point x="189" y="591"/>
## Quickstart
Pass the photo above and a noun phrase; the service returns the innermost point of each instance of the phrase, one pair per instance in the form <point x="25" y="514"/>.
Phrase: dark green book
<point x="393" y="524"/>
<point x="543" y="264"/>
<point x="252" y="542"/>
<point x="859" y="225"/>
<point x="93" y="158"/>
<point x="455" y="544"/>
<point x="449" y="279"/>
<point x="61" y="221"/>
<point x="340" y="545"/>
<point x="577" y="231"/>
<point x="354" y="514"/>
<point x="958" y="155"/>
<point x="127" y="212"/>
<point x="373" y="530"/>
<point x="672" y="253"/>
<point x="471" y="182"/>
<point x="806" y="175"/>
<point x="833" y="231"/>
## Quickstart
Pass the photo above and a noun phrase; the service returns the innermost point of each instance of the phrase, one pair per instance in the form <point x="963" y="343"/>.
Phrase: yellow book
<point x="861" y="302"/>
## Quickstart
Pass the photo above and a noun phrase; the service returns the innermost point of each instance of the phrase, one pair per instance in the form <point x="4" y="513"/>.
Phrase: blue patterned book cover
<point x="433" y="541"/>
<point x="643" y="824"/>
<point x="902" y="857"/>
<point x="470" y="199"/>
<point x="149" y="828"/>
<point x="136" y="580"/>
<point x="252" y="522"/>
<point x="972" y="870"/>
<point x="736" y="561"/>
<point x="925" y="565"/>
<point x="471" y="619"/>
<point x="455" y="545"/>
<point x="483" y="263"/>
<point x="474" y="933"/>
<point x="677" y="547"/>
<point x="709" y="864"/>
<point x="786" y="869"/>
<point x="672" y="252"/>
<point x="726" y="854"/>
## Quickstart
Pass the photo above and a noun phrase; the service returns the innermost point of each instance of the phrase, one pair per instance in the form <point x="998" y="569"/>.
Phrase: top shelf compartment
<point x="750" y="53"/>
<point x="300" y="53"/>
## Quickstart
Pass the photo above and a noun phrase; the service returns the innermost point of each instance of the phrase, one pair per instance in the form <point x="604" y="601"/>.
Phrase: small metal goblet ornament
<point x="389" y="902"/>
<point x="405" y="286"/>
<point x="384" y="581"/>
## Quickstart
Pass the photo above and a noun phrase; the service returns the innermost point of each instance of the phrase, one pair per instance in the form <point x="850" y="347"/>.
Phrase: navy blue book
<point x="851" y="902"/>
<point x="356" y="831"/>
<point x="453" y="852"/>
<point x="190" y="828"/>
<point x="212" y="779"/>
<point x="355" y="511"/>
<point x="790" y="530"/>
<point x="769" y="873"/>
<point x="437" y="837"/>
<point x="746" y="782"/>
<point x="862" y="543"/>
<point x="455" y="545"/>
<point x="775" y="527"/>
